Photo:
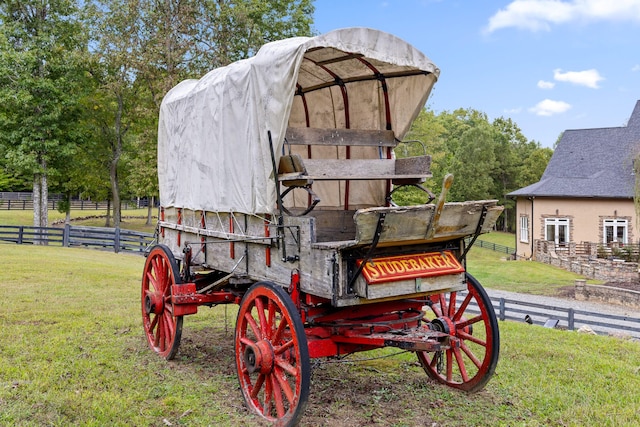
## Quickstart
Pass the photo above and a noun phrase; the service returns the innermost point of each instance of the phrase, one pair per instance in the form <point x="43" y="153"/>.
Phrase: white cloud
<point x="516" y="110"/>
<point x="537" y="15"/>
<point x="636" y="68"/>
<point x="549" y="107"/>
<point x="588" y="78"/>
<point x="545" y="85"/>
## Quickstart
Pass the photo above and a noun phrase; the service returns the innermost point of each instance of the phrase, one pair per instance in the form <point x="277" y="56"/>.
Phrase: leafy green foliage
<point x="488" y="159"/>
<point x="42" y="79"/>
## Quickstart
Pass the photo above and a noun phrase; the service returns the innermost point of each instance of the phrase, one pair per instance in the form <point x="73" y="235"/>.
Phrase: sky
<point x="549" y="65"/>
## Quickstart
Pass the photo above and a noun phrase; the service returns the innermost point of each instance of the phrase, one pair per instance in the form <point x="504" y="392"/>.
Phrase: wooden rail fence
<point x="114" y="239"/>
<point x="563" y="318"/>
<point x="9" y="204"/>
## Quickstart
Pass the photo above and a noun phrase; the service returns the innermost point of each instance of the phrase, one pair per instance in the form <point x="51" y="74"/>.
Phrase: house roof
<point x="592" y="163"/>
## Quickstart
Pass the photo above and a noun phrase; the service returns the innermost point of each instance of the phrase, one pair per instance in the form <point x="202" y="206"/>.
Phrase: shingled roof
<point x="593" y="163"/>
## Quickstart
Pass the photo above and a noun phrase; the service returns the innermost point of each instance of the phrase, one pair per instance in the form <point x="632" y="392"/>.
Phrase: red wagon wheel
<point x="272" y="357"/>
<point x="475" y="340"/>
<point x="162" y="328"/>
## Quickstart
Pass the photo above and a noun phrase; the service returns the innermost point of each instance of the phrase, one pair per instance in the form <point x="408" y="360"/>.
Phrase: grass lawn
<point x="496" y="270"/>
<point x="72" y="352"/>
<point x="132" y="219"/>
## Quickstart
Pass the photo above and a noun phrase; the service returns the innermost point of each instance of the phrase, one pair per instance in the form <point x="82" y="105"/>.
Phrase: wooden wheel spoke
<point x="452" y="304"/>
<point x="287" y="367"/>
<point x="461" y="365"/>
<point x="156" y="340"/>
<point x="284" y="386"/>
<point x="277" y="336"/>
<point x="246" y="341"/>
<point x="153" y="323"/>
<point x="153" y="281"/>
<point x="262" y="319"/>
<point x="257" y="386"/>
<point x="465" y="336"/>
<point x="449" y="364"/>
<point x="277" y="396"/>
<point x="284" y="347"/>
<point x="469" y="322"/>
<point x="470" y="355"/>
<point x="463" y="307"/>
<point x="443" y="304"/>
<point x="253" y="325"/>
<point x="271" y="319"/>
<point x="268" y="395"/>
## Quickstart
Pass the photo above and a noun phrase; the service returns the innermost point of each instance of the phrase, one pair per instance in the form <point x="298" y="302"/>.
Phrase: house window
<point x="557" y="230"/>
<point x="615" y="230"/>
<point x="524" y="229"/>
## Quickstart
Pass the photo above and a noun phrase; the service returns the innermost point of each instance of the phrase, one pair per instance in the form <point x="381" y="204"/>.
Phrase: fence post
<point x="571" y="320"/>
<point x="65" y="235"/>
<point x="116" y="240"/>
<point x="20" y="231"/>
<point x="503" y="310"/>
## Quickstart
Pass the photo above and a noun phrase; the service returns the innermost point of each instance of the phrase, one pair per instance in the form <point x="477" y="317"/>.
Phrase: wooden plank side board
<point x="413" y="223"/>
<point x="419" y="286"/>
<point x="356" y="169"/>
<point x="340" y="137"/>
<point x="400" y="224"/>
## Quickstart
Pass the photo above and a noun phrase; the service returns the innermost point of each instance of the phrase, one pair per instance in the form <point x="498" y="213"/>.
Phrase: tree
<point x="145" y="47"/>
<point x="42" y="54"/>
<point x="488" y="159"/>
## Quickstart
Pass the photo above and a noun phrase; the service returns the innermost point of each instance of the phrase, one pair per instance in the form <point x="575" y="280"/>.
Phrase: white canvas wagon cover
<point x="213" y="147"/>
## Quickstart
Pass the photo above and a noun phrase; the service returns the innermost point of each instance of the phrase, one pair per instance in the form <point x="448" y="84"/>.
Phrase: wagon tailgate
<point x="410" y="274"/>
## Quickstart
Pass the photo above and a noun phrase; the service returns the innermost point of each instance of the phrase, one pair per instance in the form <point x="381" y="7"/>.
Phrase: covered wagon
<point x="277" y="181"/>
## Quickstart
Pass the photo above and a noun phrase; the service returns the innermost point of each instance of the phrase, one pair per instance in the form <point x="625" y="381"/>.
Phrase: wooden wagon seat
<point x="401" y="171"/>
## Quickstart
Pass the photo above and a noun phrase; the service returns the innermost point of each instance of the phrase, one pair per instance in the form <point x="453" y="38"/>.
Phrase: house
<point x="586" y="193"/>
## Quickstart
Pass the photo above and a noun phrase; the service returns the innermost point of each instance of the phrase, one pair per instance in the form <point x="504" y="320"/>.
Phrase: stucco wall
<point x="585" y="219"/>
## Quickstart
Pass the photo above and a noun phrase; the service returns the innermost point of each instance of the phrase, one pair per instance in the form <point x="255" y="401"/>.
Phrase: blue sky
<point x="549" y="65"/>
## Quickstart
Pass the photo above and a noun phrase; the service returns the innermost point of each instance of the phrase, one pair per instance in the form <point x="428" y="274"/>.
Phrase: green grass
<point x="72" y="352"/>
<point x="132" y="219"/>
<point x="499" y="238"/>
<point x="496" y="270"/>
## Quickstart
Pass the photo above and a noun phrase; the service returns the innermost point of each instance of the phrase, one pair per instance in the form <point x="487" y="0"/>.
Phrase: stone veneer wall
<point x="588" y="266"/>
<point x="606" y="294"/>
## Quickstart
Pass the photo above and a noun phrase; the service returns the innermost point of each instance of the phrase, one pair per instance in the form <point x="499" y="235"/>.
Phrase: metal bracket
<point x="483" y="216"/>
<point x="374" y="243"/>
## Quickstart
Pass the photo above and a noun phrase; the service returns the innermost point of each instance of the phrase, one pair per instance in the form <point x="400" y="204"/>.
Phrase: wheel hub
<point x="259" y="357"/>
<point x="443" y="324"/>
<point x="154" y="303"/>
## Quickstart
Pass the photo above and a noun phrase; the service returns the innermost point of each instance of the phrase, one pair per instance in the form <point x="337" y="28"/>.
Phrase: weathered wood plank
<point x="350" y="169"/>
<point x="426" y="285"/>
<point x="413" y="223"/>
<point x="344" y="137"/>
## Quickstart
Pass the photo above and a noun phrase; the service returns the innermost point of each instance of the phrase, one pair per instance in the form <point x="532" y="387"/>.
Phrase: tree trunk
<point x="67" y="216"/>
<point x="36" y="200"/>
<point x="113" y="172"/>
<point x="108" y="221"/>
<point x="44" y="197"/>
